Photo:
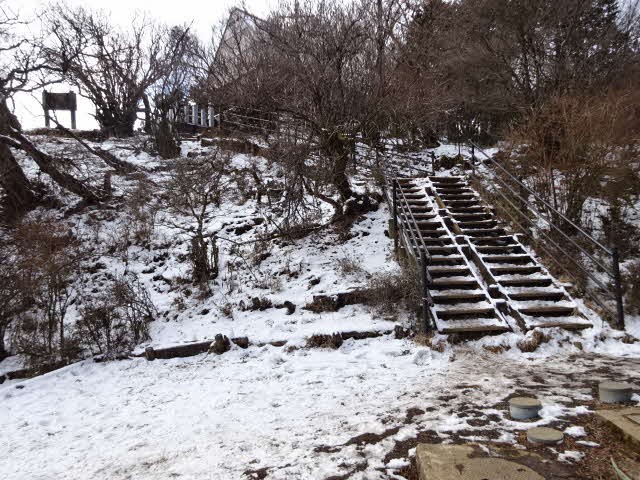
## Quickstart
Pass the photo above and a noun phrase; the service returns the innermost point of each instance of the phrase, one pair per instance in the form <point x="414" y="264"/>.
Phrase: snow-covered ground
<point x="283" y="412"/>
<point x="296" y="413"/>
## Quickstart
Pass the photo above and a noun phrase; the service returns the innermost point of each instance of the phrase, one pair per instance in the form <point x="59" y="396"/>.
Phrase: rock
<point x="260" y="303"/>
<point x="242" y="342"/>
<point x="150" y="353"/>
<point x="524" y="408"/>
<point x="220" y="345"/>
<point x="615" y="392"/>
<point x="400" y="332"/>
<point x="545" y="435"/>
<point x="290" y="307"/>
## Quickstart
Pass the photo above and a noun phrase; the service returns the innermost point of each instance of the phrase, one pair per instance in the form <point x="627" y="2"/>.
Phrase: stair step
<point x="485" y="232"/>
<point x="526" y="282"/>
<point x="441" y="299"/>
<point x="447" y="260"/>
<point x="429" y="225"/>
<point x="461" y="203"/>
<point x="444" y="283"/>
<point x="514" y="259"/>
<point x="443" y="251"/>
<point x="473" y="326"/>
<point x="547" y="311"/>
<point x="447" y="190"/>
<point x="476" y="224"/>
<point x="466" y="210"/>
<point x="447" y="179"/>
<point x="572" y="322"/>
<point x="439" y="272"/>
<point x="498" y="249"/>
<point x="538" y="295"/>
<point x="465" y="313"/>
<point x="470" y="217"/>
<point x="494" y="241"/>
<point x="515" y="270"/>
<point x="439" y="242"/>
<point x="448" y="197"/>
<point x="433" y="234"/>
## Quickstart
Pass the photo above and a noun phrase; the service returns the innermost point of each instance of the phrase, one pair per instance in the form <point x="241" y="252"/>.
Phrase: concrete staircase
<point x="460" y="300"/>
<point x="533" y="297"/>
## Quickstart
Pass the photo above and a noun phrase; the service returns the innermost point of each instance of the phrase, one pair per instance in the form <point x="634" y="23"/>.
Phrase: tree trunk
<point x="336" y="148"/>
<point x="165" y="140"/>
<point x="147" y="114"/>
<point x="117" y="124"/>
<point x="3" y="350"/>
<point x="19" y="195"/>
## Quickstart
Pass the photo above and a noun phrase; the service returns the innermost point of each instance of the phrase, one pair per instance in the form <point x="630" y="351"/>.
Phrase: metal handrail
<point x="552" y="257"/>
<point x="411" y="228"/>
<point x="613" y="272"/>
<point x="555" y="227"/>
<point x="542" y="200"/>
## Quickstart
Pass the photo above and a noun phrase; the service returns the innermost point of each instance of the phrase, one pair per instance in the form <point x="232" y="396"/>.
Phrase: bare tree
<point x="22" y="58"/>
<point x="111" y="67"/>
<point x="194" y="193"/>
<point x="309" y="62"/>
<point x="171" y="92"/>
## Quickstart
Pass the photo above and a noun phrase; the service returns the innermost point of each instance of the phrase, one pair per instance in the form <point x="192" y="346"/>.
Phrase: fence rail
<point x="405" y="224"/>
<point x="532" y="214"/>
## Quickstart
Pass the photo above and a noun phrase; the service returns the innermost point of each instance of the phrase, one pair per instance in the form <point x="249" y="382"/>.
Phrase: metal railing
<point x="530" y="214"/>
<point x="405" y="224"/>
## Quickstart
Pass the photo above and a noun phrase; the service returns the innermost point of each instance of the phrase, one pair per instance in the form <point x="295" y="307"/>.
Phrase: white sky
<point x="203" y="13"/>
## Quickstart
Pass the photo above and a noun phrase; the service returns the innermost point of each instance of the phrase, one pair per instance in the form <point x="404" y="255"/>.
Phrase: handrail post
<point x="473" y="160"/>
<point x="396" y="230"/>
<point x="433" y="162"/>
<point x="618" y="287"/>
<point x="425" y="290"/>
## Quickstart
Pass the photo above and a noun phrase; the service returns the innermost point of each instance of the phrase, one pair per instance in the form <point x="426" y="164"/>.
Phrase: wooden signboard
<point x="59" y="101"/>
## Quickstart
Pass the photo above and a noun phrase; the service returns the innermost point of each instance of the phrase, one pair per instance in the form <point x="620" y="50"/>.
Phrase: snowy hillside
<point x="285" y="406"/>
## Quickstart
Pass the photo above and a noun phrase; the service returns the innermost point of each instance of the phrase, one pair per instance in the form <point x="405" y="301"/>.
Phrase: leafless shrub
<point x="141" y="211"/>
<point x="49" y="257"/>
<point x="575" y="147"/>
<point x="349" y="266"/>
<point x="387" y="291"/>
<point x="14" y="300"/>
<point x="632" y="284"/>
<point x="193" y="195"/>
<point x="115" y="321"/>
<point x="333" y="341"/>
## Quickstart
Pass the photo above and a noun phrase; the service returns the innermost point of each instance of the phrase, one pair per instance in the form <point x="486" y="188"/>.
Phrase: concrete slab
<point x="468" y="462"/>
<point x="626" y="421"/>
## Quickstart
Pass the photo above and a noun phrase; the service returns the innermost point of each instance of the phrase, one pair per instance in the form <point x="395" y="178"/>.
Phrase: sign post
<point x="59" y="101"/>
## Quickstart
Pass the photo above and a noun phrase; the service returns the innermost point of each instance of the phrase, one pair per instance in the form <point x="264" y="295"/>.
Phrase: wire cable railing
<point x="533" y="214"/>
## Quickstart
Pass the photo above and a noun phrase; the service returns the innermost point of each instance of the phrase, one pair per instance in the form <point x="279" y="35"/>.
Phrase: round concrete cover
<point x="544" y="435"/>
<point x="616" y="386"/>
<point x="525" y="402"/>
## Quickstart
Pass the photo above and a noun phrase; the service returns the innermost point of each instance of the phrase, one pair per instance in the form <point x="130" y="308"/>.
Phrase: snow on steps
<point x="461" y="302"/>
<point x="532" y="295"/>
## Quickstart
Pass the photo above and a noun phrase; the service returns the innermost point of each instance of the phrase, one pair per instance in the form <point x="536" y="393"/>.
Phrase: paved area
<point x="626" y="421"/>
<point x="470" y="462"/>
